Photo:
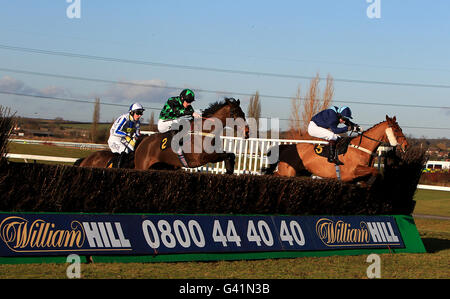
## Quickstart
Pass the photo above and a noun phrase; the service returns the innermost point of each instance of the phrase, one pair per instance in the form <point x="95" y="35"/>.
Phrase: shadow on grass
<point x="433" y="245"/>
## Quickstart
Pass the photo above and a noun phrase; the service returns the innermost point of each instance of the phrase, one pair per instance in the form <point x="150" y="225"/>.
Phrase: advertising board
<point x="42" y="234"/>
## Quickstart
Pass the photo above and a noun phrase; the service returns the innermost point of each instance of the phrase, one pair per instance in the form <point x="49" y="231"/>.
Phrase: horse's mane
<point x="214" y="107"/>
<point x="352" y="137"/>
<point x="375" y="125"/>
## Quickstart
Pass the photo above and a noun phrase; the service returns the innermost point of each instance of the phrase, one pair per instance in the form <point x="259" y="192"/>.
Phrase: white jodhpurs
<point x="319" y="132"/>
<point x="117" y="145"/>
<point x="165" y="125"/>
<point x="172" y="124"/>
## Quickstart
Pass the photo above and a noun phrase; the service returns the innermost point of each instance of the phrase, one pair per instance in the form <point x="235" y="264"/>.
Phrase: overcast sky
<point x="384" y="56"/>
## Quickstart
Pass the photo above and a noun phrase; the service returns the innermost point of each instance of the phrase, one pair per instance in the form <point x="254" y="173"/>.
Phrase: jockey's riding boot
<point x="181" y="157"/>
<point x="115" y="160"/>
<point x="121" y="159"/>
<point x="333" y="156"/>
<point x="179" y="150"/>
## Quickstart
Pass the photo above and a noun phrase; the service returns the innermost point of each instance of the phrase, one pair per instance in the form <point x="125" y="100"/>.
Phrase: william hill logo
<point x="21" y="235"/>
<point x="342" y="233"/>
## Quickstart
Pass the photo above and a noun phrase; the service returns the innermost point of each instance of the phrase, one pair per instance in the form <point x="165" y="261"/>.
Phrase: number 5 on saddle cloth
<point x="323" y="150"/>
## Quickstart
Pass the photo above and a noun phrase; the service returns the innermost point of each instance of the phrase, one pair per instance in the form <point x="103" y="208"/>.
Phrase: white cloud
<point x="139" y="90"/>
<point x="150" y="93"/>
<point x="10" y="84"/>
<point x="55" y="91"/>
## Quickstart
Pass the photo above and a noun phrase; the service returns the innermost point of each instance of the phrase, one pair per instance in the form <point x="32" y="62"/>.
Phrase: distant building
<point x="39" y="133"/>
<point x="438" y="165"/>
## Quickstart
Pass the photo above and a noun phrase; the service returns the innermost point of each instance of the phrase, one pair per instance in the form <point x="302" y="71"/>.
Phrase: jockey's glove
<point x="130" y="141"/>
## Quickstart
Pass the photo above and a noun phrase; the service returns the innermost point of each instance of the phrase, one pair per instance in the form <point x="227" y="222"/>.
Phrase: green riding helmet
<point x="187" y="95"/>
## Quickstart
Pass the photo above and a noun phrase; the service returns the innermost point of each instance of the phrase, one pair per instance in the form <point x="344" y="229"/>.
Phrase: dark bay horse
<point x="102" y="159"/>
<point x="297" y="158"/>
<point x="97" y="159"/>
<point x="199" y="149"/>
<point x="154" y="151"/>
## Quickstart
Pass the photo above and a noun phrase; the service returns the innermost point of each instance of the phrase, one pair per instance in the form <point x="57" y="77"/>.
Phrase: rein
<point x="370" y="138"/>
<point x="373" y="139"/>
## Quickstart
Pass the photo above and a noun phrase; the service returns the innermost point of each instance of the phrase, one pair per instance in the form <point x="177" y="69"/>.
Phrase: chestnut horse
<point x="360" y="153"/>
<point x="198" y="149"/>
<point x="154" y="151"/>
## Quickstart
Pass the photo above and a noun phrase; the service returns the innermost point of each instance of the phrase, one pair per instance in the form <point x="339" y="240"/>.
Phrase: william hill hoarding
<point x="27" y="234"/>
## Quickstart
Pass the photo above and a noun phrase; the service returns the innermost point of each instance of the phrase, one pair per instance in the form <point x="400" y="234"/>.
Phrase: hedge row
<point x="51" y="188"/>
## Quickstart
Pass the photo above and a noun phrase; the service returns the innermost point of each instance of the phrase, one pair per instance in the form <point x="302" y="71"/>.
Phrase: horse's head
<point x="236" y="113"/>
<point x="394" y="134"/>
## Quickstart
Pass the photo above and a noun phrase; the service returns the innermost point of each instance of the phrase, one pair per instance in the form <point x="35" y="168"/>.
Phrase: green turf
<point x="431" y="202"/>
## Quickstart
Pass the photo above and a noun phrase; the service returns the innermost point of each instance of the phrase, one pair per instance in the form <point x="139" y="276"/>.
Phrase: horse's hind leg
<point x="229" y="163"/>
<point x="285" y="169"/>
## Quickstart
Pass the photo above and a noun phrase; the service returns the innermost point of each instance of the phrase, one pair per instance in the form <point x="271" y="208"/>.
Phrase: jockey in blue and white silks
<point x="125" y="131"/>
<point x="325" y="125"/>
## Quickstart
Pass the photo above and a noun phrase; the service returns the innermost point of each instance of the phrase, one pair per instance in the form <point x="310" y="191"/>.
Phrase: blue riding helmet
<point x="345" y="112"/>
<point x="136" y="107"/>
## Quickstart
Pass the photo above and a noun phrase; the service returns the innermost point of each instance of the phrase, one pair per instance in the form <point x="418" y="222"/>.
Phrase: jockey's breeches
<point x="319" y="132"/>
<point x="119" y="145"/>
<point x="170" y="124"/>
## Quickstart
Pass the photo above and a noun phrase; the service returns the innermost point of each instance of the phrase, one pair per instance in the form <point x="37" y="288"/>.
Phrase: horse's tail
<point x="272" y="164"/>
<point x="269" y="170"/>
<point x="78" y="162"/>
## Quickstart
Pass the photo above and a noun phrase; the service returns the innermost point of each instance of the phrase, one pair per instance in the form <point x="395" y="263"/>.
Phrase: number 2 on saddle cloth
<point x="166" y="140"/>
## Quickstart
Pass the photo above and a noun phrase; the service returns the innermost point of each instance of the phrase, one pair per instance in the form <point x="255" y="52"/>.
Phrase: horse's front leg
<point x="362" y="171"/>
<point x="228" y="158"/>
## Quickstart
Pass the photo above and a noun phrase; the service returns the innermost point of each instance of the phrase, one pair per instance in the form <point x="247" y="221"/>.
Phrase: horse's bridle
<point x="234" y="112"/>
<point x="381" y="142"/>
<point x="390" y="135"/>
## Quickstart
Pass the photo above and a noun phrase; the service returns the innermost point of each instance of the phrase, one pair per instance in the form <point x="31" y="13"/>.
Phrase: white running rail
<point x="250" y="154"/>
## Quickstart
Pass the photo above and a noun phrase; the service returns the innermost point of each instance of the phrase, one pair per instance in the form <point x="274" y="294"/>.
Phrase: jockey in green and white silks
<point x="175" y="111"/>
<point x="125" y="131"/>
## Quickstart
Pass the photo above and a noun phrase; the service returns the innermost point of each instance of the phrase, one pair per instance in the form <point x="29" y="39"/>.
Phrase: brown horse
<point x="155" y="151"/>
<point x="103" y="159"/>
<point x="303" y="157"/>
<point x="199" y="149"/>
<point x="97" y="159"/>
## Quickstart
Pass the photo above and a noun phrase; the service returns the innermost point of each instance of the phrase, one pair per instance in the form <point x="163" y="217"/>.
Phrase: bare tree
<point x="254" y="112"/>
<point x="151" y="123"/>
<point x="7" y="124"/>
<point x="95" y="120"/>
<point x="303" y="109"/>
<point x="254" y="107"/>
<point x="295" y="122"/>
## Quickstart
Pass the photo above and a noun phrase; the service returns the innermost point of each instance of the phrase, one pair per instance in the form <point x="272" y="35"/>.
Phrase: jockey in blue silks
<point x="124" y="133"/>
<point x="325" y="125"/>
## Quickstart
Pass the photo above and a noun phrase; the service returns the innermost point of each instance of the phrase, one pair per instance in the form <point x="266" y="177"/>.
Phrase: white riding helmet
<point x="136" y="107"/>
